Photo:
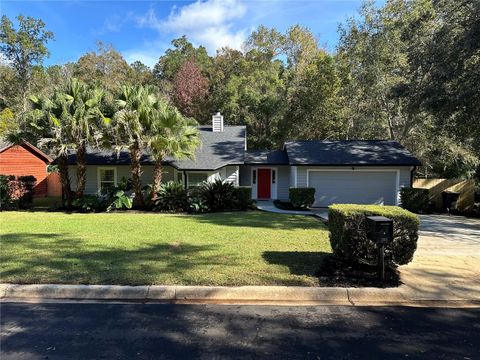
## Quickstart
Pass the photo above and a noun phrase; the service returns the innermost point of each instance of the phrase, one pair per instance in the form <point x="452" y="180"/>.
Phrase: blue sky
<point x="142" y="30"/>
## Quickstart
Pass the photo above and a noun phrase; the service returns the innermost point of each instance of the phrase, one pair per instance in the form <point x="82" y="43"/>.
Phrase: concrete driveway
<point x="457" y="229"/>
<point x="446" y="264"/>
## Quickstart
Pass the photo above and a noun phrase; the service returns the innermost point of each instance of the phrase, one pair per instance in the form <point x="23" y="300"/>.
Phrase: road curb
<point x="56" y="291"/>
<point x="262" y="294"/>
<point x="219" y="294"/>
<point x="175" y="293"/>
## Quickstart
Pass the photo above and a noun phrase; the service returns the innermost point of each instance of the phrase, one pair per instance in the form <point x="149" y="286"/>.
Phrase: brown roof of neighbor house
<point x="4" y="145"/>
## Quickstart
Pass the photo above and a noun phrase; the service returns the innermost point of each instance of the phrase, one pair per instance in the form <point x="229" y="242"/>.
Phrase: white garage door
<point x="353" y="187"/>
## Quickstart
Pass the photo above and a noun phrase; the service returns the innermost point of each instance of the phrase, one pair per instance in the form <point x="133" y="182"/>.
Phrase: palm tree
<point x="69" y="120"/>
<point x="136" y="104"/>
<point x="170" y="135"/>
<point x="54" y="133"/>
<point x="81" y="107"/>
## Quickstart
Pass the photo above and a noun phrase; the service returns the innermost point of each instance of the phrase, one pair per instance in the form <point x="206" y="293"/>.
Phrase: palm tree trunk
<point x="157" y="177"/>
<point x="81" y="170"/>
<point x="135" y="155"/>
<point x="65" y="180"/>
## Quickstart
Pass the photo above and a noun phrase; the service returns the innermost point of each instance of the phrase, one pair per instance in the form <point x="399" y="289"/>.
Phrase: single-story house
<point x="349" y="171"/>
<point x="27" y="160"/>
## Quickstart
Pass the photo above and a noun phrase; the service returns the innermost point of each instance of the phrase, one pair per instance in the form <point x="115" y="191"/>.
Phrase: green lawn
<point x="243" y="248"/>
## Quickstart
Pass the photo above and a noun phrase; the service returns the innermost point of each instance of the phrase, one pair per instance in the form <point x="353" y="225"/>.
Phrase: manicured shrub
<point x="348" y="233"/>
<point x="243" y="197"/>
<point x="218" y="195"/>
<point x="416" y="200"/>
<point x="171" y="197"/>
<point x="302" y="197"/>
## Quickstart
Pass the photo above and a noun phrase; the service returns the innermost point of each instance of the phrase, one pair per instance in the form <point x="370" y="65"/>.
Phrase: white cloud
<point x="147" y="57"/>
<point x="209" y="23"/>
<point x="112" y="24"/>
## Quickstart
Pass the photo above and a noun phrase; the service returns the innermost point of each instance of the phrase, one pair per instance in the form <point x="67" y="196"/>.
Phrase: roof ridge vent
<point x="217" y="122"/>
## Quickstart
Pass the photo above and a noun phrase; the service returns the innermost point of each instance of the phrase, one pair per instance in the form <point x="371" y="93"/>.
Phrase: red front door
<point x="264" y="180"/>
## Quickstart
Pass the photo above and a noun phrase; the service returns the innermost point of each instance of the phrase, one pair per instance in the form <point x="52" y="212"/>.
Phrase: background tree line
<point x="408" y="71"/>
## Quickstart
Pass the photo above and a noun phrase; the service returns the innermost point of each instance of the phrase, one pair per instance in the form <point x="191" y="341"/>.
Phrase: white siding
<point x="231" y="174"/>
<point x="283" y="182"/>
<point x="91" y="186"/>
<point x="293" y="175"/>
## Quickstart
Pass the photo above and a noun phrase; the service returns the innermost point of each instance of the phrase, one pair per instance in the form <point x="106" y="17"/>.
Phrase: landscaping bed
<point x="237" y="248"/>
<point x="338" y="272"/>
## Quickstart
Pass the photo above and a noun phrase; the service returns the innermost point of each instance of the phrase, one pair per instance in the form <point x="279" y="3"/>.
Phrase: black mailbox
<point x="380" y="229"/>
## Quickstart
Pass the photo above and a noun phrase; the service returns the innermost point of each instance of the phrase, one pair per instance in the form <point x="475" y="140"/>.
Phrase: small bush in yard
<point x="348" y="233"/>
<point x="243" y="197"/>
<point x="302" y="197"/>
<point x="90" y="203"/>
<point x="196" y="203"/>
<point x="119" y="201"/>
<point x="416" y="200"/>
<point x="218" y="195"/>
<point x="6" y="191"/>
<point x="16" y="192"/>
<point x="25" y="189"/>
<point x="171" y="197"/>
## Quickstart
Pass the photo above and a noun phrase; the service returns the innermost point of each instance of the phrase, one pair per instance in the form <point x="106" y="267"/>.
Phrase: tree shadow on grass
<point x="330" y="270"/>
<point x="61" y="258"/>
<point x="298" y="262"/>
<point x="259" y="219"/>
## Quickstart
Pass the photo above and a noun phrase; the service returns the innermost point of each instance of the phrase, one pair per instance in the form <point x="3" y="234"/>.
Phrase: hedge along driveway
<point x="241" y="248"/>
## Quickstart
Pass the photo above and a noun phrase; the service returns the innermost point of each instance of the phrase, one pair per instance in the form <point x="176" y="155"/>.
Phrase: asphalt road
<point x="155" y="331"/>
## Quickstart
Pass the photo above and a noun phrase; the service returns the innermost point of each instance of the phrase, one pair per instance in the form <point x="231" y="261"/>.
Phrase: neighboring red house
<point x="26" y="159"/>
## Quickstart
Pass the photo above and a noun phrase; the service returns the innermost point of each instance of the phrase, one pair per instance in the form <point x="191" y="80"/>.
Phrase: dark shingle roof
<point x="266" y="157"/>
<point x="107" y="157"/>
<point x="349" y="152"/>
<point x="4" y="144"/>
<point x="218" y="149"/>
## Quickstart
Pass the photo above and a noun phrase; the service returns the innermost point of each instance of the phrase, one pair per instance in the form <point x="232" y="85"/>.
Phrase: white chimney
<point x="217" y="122"/>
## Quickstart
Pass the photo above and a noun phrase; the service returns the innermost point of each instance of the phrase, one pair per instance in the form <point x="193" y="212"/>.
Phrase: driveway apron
<point x="446" y="264"/>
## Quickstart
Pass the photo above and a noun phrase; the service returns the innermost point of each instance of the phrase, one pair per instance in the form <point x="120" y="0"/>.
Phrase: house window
<point x="274" y="176"/>
<point x="196" y="179"/>
<point x="254" y="177"/>
<point x="107" y="179"/>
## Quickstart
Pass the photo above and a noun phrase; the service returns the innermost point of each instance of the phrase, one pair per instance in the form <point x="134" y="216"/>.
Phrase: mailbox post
<point x="380" y="231"/>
